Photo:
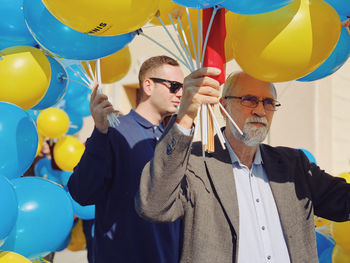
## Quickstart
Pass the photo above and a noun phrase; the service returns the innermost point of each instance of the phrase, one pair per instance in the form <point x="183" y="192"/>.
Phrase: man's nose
<point x="259" y="110"/>
<point x="179" y="93"/>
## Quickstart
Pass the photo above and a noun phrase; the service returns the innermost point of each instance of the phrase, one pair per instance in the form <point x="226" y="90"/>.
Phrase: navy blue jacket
<point x="108" y="176"/>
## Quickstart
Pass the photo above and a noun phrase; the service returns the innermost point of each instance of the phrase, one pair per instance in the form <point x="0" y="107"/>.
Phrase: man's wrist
<point x="185" y="121"/>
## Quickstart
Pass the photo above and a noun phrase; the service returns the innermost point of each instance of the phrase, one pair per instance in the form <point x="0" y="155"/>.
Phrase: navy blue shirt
<point x="108" y="176"/>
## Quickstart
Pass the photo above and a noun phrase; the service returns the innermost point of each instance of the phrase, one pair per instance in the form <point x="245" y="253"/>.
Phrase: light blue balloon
<point x="83" y="212"/>
<point x="65" y="175"/>
<point x="334" y="62"/>
<point x="76" y="122"/>
<point x="341" y="6"/>
<point x="58" y="86"/>
<point x="252" y="7"/>
<point x="309" y="155"/>
<point x="66" y="42"/>
<point x="76" y="86"/>
<point x="33" y="114"/>
<point x="199" y="4"/>
<point x="18" y="140"/>
<point x="45" y="218"/>
<point x="64" y="244"/>
<point x="43" y="168"/>
<point x="14" y="31"/>
<point x="79" y="105"/>
<point x="8" y="208"/>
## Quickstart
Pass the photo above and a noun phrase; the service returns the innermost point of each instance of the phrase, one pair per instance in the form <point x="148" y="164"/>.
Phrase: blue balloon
<point x="65" y="42"/>
<point x="64" y="244"/>
<point x="341" y="6"/>
<point x="76" y="123"/>
<point x="199" y="4"/>
<point x="79" y="105"/>
<point x="57" y="88"/>
<point x="252" y="7"/>
<point x="14" y="31"/>
<point x="65" y="175"/>
<point x="76" y="86"/>
<point x="323" y="243"/>
<point x="309" y="156"/>
<point x="334" y="62"/>
<point x="33" y="114"/>
<point x="45" y="218"/>
<point x="326" y="256"/>
<point x="43" y="168"/>
<point x="83" y="212"/>
<point x="18" y="140"/>
<point x="8" y="208"/>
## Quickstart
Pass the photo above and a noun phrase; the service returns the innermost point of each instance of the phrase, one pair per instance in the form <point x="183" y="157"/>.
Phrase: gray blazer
<point x="180" y="183"/>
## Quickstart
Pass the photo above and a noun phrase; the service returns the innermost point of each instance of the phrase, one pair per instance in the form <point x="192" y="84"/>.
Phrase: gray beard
<point x="252" y="135"/>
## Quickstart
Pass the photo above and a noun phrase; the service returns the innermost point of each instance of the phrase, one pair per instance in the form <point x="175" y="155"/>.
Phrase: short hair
<point x="152" y="64"/>
<point x="230" y="83"/>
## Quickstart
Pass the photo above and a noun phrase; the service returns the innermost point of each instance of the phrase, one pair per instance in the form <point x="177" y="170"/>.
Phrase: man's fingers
<point x="94" y="92"/>
<point x="210" y="71"/>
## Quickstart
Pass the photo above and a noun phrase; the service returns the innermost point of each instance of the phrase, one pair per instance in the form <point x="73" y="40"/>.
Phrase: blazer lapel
<point x="220" y="173"/>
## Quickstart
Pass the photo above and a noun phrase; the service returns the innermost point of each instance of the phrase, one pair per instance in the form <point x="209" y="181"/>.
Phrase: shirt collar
<point x="143" y="122"/>
<point x="234" y="158"/>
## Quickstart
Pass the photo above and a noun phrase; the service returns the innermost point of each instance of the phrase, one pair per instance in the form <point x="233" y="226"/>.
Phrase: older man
<point x="249" y="203"/>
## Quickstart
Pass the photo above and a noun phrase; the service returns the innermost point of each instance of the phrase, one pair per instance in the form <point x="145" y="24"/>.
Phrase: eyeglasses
<point x="253" y="101"/>
<point x="174" y="85"/>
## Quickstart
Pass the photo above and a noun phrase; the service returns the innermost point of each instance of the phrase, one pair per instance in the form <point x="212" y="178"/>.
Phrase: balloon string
<point x="230" y="118"/>
<point x="215" y="9"/>
<point x="193" y="43"/>
<point x="188" y="51"/>
<point x="81" y="83"/>
<point x="173" y="40"/>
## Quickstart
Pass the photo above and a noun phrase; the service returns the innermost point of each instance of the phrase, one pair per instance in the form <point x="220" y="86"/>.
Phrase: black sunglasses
<point x="253" y="102"/>
<point x="174" y="85"/>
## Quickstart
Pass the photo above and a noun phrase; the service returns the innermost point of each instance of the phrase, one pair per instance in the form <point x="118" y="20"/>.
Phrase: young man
<point x="109" y="171"/>
<point x="248" y="203"/>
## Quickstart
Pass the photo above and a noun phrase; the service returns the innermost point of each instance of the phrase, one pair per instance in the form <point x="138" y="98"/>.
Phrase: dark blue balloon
<point x="64" y="41"/>
<point x="58" y="86"/>
<point x="309" y="156"/>
<point x="76" y="122"/>
<point x="43" y="168"/>
<point x="323" y="243"/>
<point x="334" y="62"/>
<point x="65" y="175"/>
<point x="199" y="4"/>
<point x="326" y="256"/>
<point x="18" y="140"/>
<point x="252" y="7"/>
<point x="45" y="218"/>
<point x="8" y="208"/>
<point x="13" y="29"/>
<point x="341" y="6"/>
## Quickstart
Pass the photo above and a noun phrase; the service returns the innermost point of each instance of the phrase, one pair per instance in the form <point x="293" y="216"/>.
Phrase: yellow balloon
<point x="52" y="122"/>
<point x="341" y="234"/>
<point x="287" y="43"/>
<point x="166" y="8"/>
<point x="319" y="221"/>
<point x="25" y="74"/>
<point x="67" y="152"/>
<point x="12" y="257"/>
<point x="194" y="25"/>
<point x="40" y="144"/>
<point x="113" y="67"/>
<point x="103" y="17"/>
<point x="340" y="255"/>
<point x="78" y="240"/>
<point x="346" y="176"/>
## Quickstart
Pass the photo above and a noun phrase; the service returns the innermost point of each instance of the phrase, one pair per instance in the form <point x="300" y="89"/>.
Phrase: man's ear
<point x="224" y="104"/>
<point x="147" y="87"/>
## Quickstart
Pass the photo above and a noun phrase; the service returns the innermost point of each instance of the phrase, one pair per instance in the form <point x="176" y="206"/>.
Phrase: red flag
<point x="215" y="52"/>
